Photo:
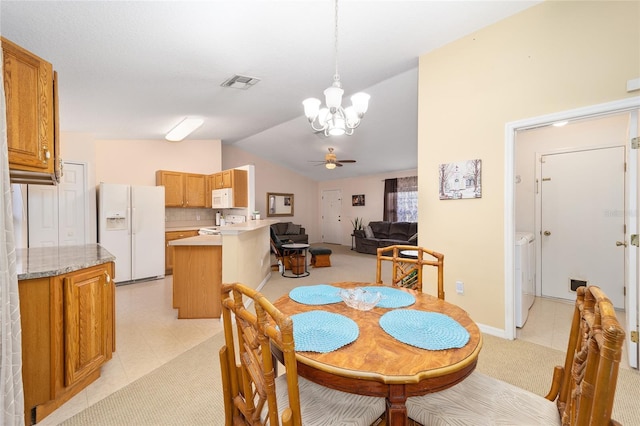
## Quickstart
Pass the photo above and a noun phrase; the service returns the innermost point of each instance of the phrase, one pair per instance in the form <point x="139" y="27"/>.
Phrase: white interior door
<point x="42" y="213"/>
<point x="57" y="213"/>
<point x="582" y="222"/>
<point x="331" y="216"/>
<point x="633" y="253"/>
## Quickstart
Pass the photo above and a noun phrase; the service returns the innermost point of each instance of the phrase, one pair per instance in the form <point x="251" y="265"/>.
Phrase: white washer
<point x="525" y="267"/>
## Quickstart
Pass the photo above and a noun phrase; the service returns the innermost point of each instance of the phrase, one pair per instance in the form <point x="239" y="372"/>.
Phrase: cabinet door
<point x="209" y="184"/>
<point x="87" y="322"/>
<point x="28" y="85"/>
<point x="195" y="190"/>
<point x="227" y="181"/>
<point x="173" y="183"/>
<point x="168" y="253"/>
<point x="217" y="181"/>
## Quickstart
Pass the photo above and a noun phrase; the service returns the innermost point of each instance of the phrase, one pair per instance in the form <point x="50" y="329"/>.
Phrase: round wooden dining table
<point x="377" y="364"/>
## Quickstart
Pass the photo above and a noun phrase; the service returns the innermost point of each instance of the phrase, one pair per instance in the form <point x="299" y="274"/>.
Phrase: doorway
<point x="513" y="178"/>
<point x="331" y="216"/>
<point x="57" y="213"/>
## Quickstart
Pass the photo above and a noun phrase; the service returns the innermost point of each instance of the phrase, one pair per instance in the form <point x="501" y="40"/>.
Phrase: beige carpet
<point x="187" y="390"/>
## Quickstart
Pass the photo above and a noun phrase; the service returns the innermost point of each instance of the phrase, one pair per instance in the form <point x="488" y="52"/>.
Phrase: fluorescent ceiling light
<point x="183" y="129"/>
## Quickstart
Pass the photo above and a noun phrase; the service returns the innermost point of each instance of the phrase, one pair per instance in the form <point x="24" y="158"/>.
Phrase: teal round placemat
<point x="426" y="330"/>
<point x="322" y="331"/>
<point x="392" y="297"/>
<point x="320" y="294"/>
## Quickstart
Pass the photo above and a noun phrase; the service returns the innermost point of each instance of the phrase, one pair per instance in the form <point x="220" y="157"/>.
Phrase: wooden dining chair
<point x="406" y="270"/>
<point x="581" y="393"/>
<point x="252" y="393"/>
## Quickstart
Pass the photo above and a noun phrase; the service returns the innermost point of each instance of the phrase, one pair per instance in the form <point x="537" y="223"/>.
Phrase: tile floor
<point x="149" y="335"/>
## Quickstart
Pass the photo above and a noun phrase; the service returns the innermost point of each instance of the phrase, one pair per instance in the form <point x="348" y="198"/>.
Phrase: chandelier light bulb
<point x="334" y="120"/>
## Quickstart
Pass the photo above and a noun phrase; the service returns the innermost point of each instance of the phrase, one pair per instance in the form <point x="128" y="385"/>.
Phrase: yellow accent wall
<point x="555" y="56"/>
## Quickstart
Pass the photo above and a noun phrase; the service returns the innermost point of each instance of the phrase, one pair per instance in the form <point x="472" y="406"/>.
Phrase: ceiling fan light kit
<point x="334" y="120"/>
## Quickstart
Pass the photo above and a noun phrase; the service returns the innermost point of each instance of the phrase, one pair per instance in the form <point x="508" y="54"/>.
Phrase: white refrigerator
<point x="131" y="227"/>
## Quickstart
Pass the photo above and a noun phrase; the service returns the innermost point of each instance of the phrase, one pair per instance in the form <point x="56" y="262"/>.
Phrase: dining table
<point x="372" y="361"/>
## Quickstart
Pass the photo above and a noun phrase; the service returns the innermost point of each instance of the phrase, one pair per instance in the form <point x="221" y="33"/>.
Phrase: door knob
<point x="547" y="233"/>
<point x="621" y="243"/>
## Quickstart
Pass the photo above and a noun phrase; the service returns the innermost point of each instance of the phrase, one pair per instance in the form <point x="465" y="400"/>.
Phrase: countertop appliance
<point x="234" y="218"/>
<point x="222" y="198"/>
<point x="211" y="230"/>
<point x="525" y="274"/>
<point x="131" y="227"/>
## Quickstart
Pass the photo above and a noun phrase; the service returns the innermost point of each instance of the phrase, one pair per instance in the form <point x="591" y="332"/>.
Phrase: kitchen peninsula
<point x="241" y="253"/>
<point x="67" y="310"/>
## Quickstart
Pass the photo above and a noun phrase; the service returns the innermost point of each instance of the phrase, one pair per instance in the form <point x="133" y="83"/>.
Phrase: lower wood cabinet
<point x="169" y="250"/>
<point x="68" y="333"/>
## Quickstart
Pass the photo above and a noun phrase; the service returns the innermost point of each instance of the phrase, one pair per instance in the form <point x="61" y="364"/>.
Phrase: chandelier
<point x="334" y="120"/>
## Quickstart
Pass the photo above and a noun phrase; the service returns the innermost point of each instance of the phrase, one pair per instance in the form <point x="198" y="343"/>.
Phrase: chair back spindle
<point x="407" y="271"/>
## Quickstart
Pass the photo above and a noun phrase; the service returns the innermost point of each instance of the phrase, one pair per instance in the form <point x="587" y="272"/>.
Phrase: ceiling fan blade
<point x="338" y="164"/>
<point x="346" y="161"/>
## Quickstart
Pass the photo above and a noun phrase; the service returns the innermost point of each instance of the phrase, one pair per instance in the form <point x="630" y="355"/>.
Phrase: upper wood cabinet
<point x="195" y="186"/>
<point x="232" y="178"/>
<point x="30" y="87"/>
<point x="182" y="189"/>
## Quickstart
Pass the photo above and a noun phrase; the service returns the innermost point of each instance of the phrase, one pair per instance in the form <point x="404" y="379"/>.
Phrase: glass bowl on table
<point x="359" y="298"/>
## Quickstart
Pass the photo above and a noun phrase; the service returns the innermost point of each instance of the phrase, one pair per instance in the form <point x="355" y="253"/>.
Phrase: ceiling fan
<point x="331" y="162"/>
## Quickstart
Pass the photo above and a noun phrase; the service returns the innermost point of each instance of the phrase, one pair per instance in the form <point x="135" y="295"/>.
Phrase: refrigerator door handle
<point x="134" y="221"/>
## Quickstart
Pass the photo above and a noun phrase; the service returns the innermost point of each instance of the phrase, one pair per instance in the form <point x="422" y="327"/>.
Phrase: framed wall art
<point x="460" y="180"/>
<point x="357" y="200"/>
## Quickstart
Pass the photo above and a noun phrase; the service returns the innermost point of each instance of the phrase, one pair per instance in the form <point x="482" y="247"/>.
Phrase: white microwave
<point x="222" y="198"/>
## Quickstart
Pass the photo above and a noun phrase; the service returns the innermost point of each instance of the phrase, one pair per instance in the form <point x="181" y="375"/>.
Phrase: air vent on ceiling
<point x="240" y="82"/>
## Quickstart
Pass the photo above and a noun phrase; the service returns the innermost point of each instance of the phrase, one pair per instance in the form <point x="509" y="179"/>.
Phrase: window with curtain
<point x="401" y="199"/>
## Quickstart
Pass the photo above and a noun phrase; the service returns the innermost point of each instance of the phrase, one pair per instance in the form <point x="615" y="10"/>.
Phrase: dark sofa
<point x="386" y="234"/>
<point x="290" y="232"/>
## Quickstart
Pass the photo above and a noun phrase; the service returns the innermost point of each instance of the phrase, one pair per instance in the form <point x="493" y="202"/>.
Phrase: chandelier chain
<point x="336" y="76"/>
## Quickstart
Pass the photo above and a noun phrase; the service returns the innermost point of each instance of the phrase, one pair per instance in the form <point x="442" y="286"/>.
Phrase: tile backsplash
<point x="176" y="217"/>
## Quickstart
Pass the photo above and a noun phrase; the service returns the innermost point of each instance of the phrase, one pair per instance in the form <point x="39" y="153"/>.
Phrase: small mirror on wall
<point x="279" y="204"/>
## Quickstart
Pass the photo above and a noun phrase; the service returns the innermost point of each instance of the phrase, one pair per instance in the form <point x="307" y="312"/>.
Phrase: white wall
<point x="272" y="178"/>
<point x="372" y="187"/>
<point x="595" y="132"/>
<point x="555" y="56"/>
<point x="135" y="161"/>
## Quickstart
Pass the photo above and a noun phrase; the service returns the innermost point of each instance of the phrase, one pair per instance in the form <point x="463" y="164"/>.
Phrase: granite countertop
<point x="43" y="262"/>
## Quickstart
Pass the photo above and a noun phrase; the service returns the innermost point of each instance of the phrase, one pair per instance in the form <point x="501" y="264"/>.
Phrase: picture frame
<point x="357" y="200"/>
<point x="279" y="204"/>
<point x="460" y="180"/>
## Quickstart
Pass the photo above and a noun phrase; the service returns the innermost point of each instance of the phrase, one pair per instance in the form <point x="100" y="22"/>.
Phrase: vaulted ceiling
<point x="134" y="69"/>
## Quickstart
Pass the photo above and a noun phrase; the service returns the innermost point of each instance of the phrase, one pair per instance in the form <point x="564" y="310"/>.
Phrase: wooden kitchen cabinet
<point x="173" y="183"/>
<point x="68" y="333"/>
<point x="182" y="189"/>
<point x="31" y="109"/>
<point x="233" y="178"/>
<point x="169" y="250"/>
<point x="195" y="190"/>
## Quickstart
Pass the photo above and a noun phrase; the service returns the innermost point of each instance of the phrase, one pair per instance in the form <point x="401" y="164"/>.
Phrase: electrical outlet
<point x="459" y="287"/>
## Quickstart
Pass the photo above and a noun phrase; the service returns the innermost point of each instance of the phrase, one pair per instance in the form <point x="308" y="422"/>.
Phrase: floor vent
<point x="241" y="82"/>
<point x="577" y="283"/>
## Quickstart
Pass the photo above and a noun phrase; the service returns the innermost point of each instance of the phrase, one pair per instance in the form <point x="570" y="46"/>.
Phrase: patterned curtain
<point x="407" y="200"/>
<point x="11" y="392"/>
<point x="390" y="197"/>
